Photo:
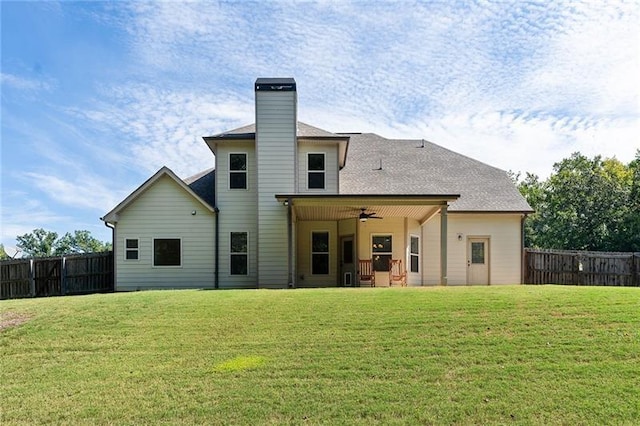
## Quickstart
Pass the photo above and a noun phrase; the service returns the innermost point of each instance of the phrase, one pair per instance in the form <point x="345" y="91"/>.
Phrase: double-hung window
<point x="167" y="252"/>
<point x="238" y="264"/>
<point x="237" y="171"/>
<point x="131" y="247"/>
<point x="320" y="253"/>
<point x="316" y="171"/>
<point x="381" y="251"/>
<point x="415" y="254"/>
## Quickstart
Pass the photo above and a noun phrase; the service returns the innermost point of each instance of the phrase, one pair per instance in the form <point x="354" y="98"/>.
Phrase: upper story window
<point x="238" y="171"/>
<point x="316" y="170"/>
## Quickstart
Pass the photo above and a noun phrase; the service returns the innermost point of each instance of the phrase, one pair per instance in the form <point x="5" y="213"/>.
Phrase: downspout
<point x="522" y="254"/>
<point x="216" y="282"/>
<point x="113" y="247"/>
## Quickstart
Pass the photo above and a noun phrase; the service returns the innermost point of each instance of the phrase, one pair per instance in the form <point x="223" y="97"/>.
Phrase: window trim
<point x="327" y="253"/>
<point x="153" y="253"/>
<point x="127" y="250"/>
<point x="231" y="253"/>
<point x="245" y="171"/>
<point x="323" y="171"/>
<point x="412" y="254"/>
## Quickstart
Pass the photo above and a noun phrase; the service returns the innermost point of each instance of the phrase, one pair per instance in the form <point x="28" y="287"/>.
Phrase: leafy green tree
<point x="80" y="242"/>
<point x="3" y="253"/>
<point x="41" y="243"/>
<point x="586" y="204"/>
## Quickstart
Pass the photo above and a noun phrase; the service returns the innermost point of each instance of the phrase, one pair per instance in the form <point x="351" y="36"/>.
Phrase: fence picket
<point x="582" y="268"/>
<point x="75" y="274"/>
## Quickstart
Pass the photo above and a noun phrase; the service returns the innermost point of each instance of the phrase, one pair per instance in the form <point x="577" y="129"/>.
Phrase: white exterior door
<point x="478" y="261"/>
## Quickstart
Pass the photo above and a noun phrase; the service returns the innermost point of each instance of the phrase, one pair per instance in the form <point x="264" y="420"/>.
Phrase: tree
<point x="80" y="242"/>
<point x="41" y="243"/>
<point x="3" y="253"/>
<point x="586" y="204"/>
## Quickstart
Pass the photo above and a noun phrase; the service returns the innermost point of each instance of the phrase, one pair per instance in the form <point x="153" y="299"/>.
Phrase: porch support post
<point x="443" y="245"/>
<point x="290" y="262"/>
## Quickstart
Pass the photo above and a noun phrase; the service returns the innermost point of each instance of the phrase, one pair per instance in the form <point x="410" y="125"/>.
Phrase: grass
<point x="479" y="355"/>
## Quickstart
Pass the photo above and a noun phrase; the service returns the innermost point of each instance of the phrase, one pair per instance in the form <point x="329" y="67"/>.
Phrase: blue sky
<point x="97" y="96"/>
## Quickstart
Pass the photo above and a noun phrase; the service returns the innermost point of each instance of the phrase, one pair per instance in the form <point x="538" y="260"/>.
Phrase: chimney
<point x="276" y="157"/>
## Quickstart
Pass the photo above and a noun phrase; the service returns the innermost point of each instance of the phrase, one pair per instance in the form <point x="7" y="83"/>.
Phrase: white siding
<point x="305" y="278"/>
<point x="330" y="164"/>
<point x="164" y="211"/>
<point x="276" y="159"/>
<point x="503" y="231"/>
<point x="238" y="213"/>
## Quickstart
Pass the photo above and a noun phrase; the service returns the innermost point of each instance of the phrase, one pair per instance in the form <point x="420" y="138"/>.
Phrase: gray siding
<point x="276" y="163"/>
<point x="238" y="213"/>
<point x="164" y="211"/>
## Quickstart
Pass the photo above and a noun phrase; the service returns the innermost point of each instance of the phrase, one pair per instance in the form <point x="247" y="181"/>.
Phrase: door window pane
<point x="477" y="253"/>
<point x="347" y="251"/>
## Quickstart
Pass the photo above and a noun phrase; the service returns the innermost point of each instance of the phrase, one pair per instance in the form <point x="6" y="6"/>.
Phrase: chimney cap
<point x="276" y="84"/>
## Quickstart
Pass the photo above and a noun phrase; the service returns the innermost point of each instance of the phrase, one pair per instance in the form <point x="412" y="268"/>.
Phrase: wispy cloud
<point x="25" y="84"/>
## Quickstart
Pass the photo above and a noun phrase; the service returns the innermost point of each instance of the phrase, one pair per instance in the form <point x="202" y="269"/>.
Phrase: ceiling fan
<point x="364" y="216"/>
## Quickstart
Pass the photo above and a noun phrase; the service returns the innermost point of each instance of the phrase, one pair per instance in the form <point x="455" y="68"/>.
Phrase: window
<point x="238" y="264"/>
<point x="315" y="167"/>
<point x="381" y="251"/>
<point x="319" y="253"/>
<point x="477" y="253"/>
<point x="414" y="253"/>
<point x="167" y="252"/>
<point x="131" y="249"/>
<point x="237" y="171"/>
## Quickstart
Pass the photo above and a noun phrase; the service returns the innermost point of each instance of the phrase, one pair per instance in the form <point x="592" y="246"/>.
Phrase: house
<point x="290" y="205"/>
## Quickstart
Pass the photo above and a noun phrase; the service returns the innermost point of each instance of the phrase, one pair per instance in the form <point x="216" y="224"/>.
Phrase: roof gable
<point x="112" y="216"/>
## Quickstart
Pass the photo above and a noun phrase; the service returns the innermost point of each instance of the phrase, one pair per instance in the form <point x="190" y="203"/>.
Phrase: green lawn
<point x="479" y="355"/>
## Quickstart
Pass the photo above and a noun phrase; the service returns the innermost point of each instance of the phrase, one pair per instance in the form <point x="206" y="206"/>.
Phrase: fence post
<point x="63" y="277"/>
<point x="32" y="279"/>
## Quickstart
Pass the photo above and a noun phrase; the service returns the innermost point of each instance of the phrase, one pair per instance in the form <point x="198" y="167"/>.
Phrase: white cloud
<point x="25" y="84"/>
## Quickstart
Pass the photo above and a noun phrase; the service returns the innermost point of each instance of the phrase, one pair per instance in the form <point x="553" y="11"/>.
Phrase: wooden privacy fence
<point x="57" y="276"/>
<point x="582" y="268"/>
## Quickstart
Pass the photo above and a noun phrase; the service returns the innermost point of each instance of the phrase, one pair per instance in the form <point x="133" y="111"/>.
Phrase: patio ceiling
<point x="314" y="207"/>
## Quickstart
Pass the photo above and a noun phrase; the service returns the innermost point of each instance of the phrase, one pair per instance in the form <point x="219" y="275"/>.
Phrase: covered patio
<point x="361" y="239"/>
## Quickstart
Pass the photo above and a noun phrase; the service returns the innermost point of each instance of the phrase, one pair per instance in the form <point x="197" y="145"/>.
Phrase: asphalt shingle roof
<point x="304" y="130"/>
<point x="204" y="184"/>
<point x="411" y="167"/>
